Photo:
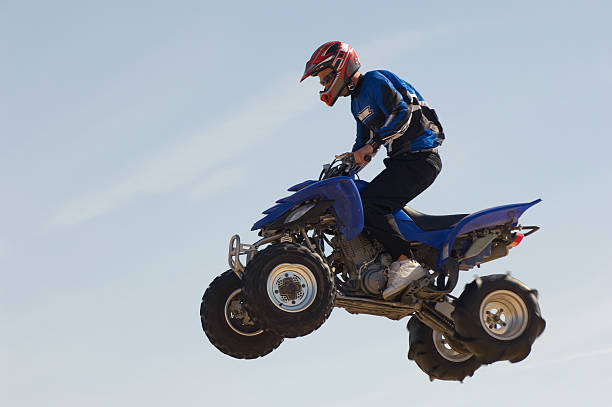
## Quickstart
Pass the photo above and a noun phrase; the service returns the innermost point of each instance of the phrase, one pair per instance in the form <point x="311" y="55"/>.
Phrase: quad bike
<point x="314" y="255"/>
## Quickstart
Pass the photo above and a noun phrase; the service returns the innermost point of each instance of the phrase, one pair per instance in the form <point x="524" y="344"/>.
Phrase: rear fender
<point x="341" y="190"/>
<point x="499" y="215"/>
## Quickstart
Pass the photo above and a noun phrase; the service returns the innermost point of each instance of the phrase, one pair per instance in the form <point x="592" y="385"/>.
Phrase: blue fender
<point x="341" y="190"/>
<point x="499" y="215"/>
<point x="443" y="239"/>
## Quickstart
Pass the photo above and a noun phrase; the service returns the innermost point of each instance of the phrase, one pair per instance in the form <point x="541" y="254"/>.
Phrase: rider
<point x="391" y="113"/>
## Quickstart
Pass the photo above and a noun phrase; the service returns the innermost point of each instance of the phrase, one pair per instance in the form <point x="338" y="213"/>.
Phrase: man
<point x="390" y="113"/>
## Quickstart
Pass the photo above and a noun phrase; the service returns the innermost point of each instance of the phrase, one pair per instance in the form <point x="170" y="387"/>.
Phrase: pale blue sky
<point x="136" y="137"/>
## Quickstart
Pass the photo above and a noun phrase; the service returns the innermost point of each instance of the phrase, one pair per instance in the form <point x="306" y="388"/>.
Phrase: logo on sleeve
<point x="365" y="113"/>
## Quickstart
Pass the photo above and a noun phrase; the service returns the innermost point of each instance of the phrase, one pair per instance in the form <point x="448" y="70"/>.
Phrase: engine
<point x="374" y="278"/>
<point x="365" y="262"/>
<point x="358" y="251"/>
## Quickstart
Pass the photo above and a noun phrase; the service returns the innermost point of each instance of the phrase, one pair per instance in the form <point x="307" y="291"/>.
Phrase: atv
<point x="314" y="254"/>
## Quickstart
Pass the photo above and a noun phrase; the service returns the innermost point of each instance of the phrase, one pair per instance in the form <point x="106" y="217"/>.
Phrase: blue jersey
<point x="390" y="112"/>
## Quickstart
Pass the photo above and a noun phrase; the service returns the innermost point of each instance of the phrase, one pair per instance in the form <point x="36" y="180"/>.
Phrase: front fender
<point x="341" y="190"/>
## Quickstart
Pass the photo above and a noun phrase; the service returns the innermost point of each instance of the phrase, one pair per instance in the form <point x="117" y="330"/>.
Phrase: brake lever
<point x="343" y="156"/>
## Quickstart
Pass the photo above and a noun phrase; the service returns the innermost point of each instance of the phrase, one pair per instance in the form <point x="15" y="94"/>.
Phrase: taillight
<point x="518" y="238"/>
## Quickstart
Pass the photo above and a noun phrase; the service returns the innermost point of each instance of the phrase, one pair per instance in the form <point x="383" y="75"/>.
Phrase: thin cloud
<point x="220" y="181"/>
<point x="599" y="352"/>
<point x="183" y="163"/>
<point x="563" y="349"/>
<point x="567" y="359"/>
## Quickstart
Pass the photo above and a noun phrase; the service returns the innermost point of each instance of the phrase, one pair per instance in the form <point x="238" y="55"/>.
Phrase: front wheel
<point x="227" y="323"/>
<point x="434" y="354"/>
<point x="498" y="318"/>
<point x="289" y="289"/>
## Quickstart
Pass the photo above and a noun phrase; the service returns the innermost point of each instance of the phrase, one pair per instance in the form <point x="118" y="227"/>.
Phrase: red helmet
<point x="342" y="59"/>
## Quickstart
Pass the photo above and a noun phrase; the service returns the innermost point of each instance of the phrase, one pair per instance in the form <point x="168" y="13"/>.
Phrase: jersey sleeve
<point x="392" y="115"/>
<point x="362" y="136"/>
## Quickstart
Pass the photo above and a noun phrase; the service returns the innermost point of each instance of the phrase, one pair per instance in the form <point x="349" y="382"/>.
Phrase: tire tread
<point x="215" y="326"/>
<point x="284" y="324"/>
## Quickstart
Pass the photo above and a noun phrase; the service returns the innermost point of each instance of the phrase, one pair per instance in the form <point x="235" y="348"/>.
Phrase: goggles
<point x="327" y="80"/>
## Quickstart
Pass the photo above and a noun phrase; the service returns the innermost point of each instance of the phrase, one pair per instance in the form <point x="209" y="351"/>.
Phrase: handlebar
<point x="343" y="165"/>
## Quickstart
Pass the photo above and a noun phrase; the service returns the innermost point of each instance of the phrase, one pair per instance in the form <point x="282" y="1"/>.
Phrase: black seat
<point x="430" y="222"/>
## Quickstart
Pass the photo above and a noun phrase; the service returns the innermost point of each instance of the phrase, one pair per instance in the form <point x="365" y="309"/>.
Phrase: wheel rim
<point x="504" y="315"/>
<point x="237" y="316"/>
<point x="446" y="351"/>
<point x="292" y="287"/>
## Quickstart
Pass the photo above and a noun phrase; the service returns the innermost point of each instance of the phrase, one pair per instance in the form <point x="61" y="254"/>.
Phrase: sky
<point x="137" y="137"/>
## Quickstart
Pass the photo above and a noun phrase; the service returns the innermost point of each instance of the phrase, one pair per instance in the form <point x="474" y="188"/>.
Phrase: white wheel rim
<point x="446" y="351"/>
<point x="504" y="315"/>
<point x="237" y="317"/>
<point x="292" y="287"/>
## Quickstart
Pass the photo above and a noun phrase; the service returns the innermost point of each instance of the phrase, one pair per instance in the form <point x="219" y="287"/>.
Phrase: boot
<point x="402" y="273"/>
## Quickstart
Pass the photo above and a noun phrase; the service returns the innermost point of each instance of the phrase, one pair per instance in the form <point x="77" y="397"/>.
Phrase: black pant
<point x="406" y="175"/>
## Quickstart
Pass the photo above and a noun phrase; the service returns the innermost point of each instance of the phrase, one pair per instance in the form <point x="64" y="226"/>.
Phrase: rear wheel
<point x="499" y="317"/>
<point x="228" y="325"/>
<point x="289" y="290"/>
<point x="434" y="354"/>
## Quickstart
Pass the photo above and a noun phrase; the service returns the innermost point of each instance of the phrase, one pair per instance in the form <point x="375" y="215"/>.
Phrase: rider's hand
<point x="360" y="154"/>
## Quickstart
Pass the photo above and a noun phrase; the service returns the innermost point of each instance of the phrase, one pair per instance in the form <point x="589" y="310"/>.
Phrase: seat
<point x="431" y="222"/>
